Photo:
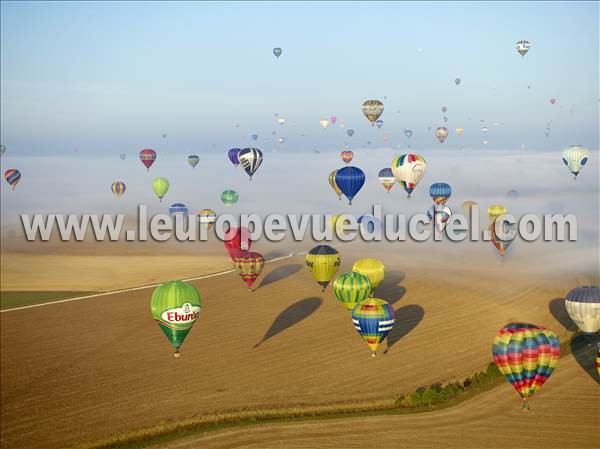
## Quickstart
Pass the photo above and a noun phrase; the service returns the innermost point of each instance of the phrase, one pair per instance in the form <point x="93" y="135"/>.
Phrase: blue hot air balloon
<point x="350" y="180"/>
<point x="178" y="208"/>
<point x="440" y="192"/>
<point x="233" y="156"/>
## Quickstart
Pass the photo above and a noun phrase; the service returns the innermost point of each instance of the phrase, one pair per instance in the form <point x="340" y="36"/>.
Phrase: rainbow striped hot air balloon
<point x="323" y="262"/>
<point x="526" y="354"/>
<point x="409" y="169"/>
<point x="373" y="318"/>
<point x="351" y="288"/>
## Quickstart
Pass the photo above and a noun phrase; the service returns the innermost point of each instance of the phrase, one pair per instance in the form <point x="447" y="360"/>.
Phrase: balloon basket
<point x="177" y="354"/>
<point x="373" y="355"/>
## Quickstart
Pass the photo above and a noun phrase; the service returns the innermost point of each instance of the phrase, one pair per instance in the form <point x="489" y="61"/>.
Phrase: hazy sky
<point x="113" y="77"/>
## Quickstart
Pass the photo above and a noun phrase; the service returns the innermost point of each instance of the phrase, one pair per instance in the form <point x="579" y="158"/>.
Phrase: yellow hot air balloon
<point x="495" y="210"/>
<point x="323" y="262"/>
<point x="468" y="205"/>
<point x="336" y="223"/>
<point x="324" y="123"/>
<point x="372" y="109"/>
<point x="459" y="131"/>
<point x="372" y="268"/>
<point x="334" y="185"/>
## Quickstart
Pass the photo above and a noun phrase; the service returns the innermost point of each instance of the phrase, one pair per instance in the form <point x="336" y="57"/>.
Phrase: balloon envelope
<point x="575" y="157"/>
<point x="248" y="266"/>
<point x="350" y="180"/>
<point x="409" y="169"/>
<point x="232" y="154"/>
<point x="118" y="188"/>
<point x="193" y="160"/>
<point x="374" y="269"/>
<point x="440" y="192"/>
<point x="229" y="197"/>
<point x="583" y="306"/>
<point x="250" y="160"/>
<point x="373" y="318"/>
<point x="386" y="178"/>
<point x="147" y="156"/>
<point x="277" y="52"/>
<point x="323" y="262"/>
<point x="372" y="109"/>
<point x="351" y="288"/>
<point x="12" y="177"/>
<point x="160" y="186"/>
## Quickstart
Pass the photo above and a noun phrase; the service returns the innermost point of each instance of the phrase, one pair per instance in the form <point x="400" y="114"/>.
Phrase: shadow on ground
<point x="558" y="311"/>
<point x="280" y="273"/>
<point x="585" y="350"/>
<point x="407" y="318"/>
<point x="290" y="316"/>
<point x="390" y="289"/>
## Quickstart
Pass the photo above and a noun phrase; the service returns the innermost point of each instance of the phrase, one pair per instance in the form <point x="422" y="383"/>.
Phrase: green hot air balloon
<point x="229" y="197"/>
<point x="176" y="307"/>
<point x="160" y="187"/>
<point x="352" y="288"/>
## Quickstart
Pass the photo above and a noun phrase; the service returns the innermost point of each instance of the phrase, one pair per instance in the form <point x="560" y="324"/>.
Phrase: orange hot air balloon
<point x="248" y="265"/>
<point x="347" y="156"/>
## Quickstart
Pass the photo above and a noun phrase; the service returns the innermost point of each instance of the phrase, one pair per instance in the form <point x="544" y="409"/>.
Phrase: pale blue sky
<point x="113" y="77"/>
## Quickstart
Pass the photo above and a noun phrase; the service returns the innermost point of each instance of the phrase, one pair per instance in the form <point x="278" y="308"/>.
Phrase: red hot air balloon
<point x="236" y="240"/>
<point x="248" y="265"/>
<point x="347" y="156"/>
<point x="147" y="156"/>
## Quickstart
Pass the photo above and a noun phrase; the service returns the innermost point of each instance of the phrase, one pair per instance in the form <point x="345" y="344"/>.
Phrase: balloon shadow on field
<point x="280" y="273"/>
<point x="389" y="289"/>
<point x="559" y="311"/>
<point x="585" y="350"/>
<point x="407" y="318"/>
<point x="291" y="315"/>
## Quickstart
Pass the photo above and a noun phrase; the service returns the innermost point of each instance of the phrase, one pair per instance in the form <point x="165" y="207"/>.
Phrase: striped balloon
<point x="409" y="169"/>
<point x="250" y="159"/>
<point x="147" y="156"/>
<point x="207" y="218"/>
<point x="386" y="178"/>
<point x="440" y="192"/>
<point x="526" y="354"/>
<point x="333" y="184"/>
<point x="323" y="262"/>
<point x="583" y="306"/>
<point x="503" y="237"/>
<point x="176" y="307"/>
<point x="373" y="318"/>
<point x="248" y="265"/>
<point x="350" y="180"/>
<point x="575" y="157"/>
<point x="118" y="188"/>
<point x="351" y="288"/>
<point x="374" y="269"/>
<point x="178" y="208"/>
<point x="12" y="176"/>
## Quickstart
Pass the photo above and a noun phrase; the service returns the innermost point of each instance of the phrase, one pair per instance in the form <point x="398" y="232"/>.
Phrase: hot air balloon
<point x="459" y="131"/>
<point x="236" y="240"/>
<point x="280" y="140"/>
<point x="457" y="81"/>
<point x="439" y="214"/>
<point x="2" y="150"/>
<point x="250" y="159"/>
<point x="147" y="156"/>
<point x="444" y="109"/>
<point x="369" y="223"/>
<point x="526" y="354"/>
<point x="333" y="119"/>
<point x="207" y="218"/>
<point x="178" y="209"/>
<point x="333" y="184"/>
<point x="248" y="265"/>
<point x="441" y="133"/>
<point x="323" y="262"/>
<point x="583" y="306"/>
<point x="386" y="178"/>
<point x="468" y="205"/>
<point x="350" y="132"/>
<point x="445" y="119"/>
<point x="176" y="307"/>
<point x="277" y="52"/>
<point x="229" y="197"/>
<point x="280" y="120"/>
<point x="233" y="156"/>
<point x="118" y="188"/>
<point x="484" y="129"/>
<point x="193" y="160"/>
<point x="408" y="133"/>
<point x="372" y="109"/>
<point x="379" y="123"/>
<point x="351" y="288"/>
<point x="122" y="156"/>
<point x="502" y="238"/>
<point x="160" y="186"/>
<point x="12" y="176"/>
<point x="386" y="137"/>
<point x="575" y="157"/>
<point x="440" y="192"/>
<point x="523" y="47"/>
<point x="347" y="156"/>
<point x="552" y="100"/>
<point x="495" y="210"/>
<point x="372" y="268"/>
<point x="324" y="123"/>
<point x="373" y="318"/>
<point x="350" y="180"/>
<point x="513" y="194"/>
<point x="408" y="170"/>
<point x="254" y="136"/>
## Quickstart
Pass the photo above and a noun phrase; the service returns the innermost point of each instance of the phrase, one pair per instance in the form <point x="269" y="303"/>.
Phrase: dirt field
<point x="85" y="370"/>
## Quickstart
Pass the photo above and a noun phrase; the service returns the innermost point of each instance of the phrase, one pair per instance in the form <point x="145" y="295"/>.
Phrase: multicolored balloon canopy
<point x="373" y="318"/>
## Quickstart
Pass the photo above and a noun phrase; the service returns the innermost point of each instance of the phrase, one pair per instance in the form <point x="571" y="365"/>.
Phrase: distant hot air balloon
<point x="207" y="218"/>
<point x="513" y="194"/>
<point x="408" y="170"/>
<point x="484" y="129"/>
<point x="254" y="136"/>
<point x="440" y="192"/>
<point x="147" y="156"/>
<point x="12" y="176"/>
<point x="372" y="109"/>
<point x="526" y="354"/>
<point x="369" y="223"/>
<point x="280" y="140"/>
<point x="233" y="156"/>
<point x="523" y="47"/>
<point x="408" y="133"/>
<point x="2" y="150"/>
<point x="374" y="269"/>
<point x="324" y="123"/>
<point x="164" y="136"/>
<point x="575" y="157"/>
<point x="347" y="156"/>
<point x="495" y="210"/>
<point x="351" y="288"/>
<point x="457" y="81"/>
<point x="350" y="132"/>
<point x="118" y="188"/>
<point x="333" y="119"/>
<point x="459" y="131"/>
<point x="323" y="262"/>
<point x="373" y="318"/>
<point x="122" y="156"/>
<point x="193" y="160"/>
<point x="503" y="237"/>
<point x="333" y="184"/>
<point x="386" y="178"/>
<point x="160" y="186"/>
<point x="583" y="306"/>
<point x="178" y="209"/>
<point x="379" y="123"/>
<point x="250" y="159"/>
<point x="552" y="100"/>
<point x="350" y="180"/>
<point x="229" y="197"/>
<point x="280" y="120"/>
<point x="468" y="205"/>
<point x="445" y="119"/>
<point x="441" y="133"/>
<point x="277" y="52"/>
<point x="444" y="109"/>
<point x="176" y="307"/>
<point x="342" y="125"/>
<point x="237" y="239"/>
<point x="248" y="265"/>
<point x="439" y="214"/>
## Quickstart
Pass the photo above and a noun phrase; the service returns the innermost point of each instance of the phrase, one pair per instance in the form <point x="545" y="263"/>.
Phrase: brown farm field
<point x="86" y="370"/>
